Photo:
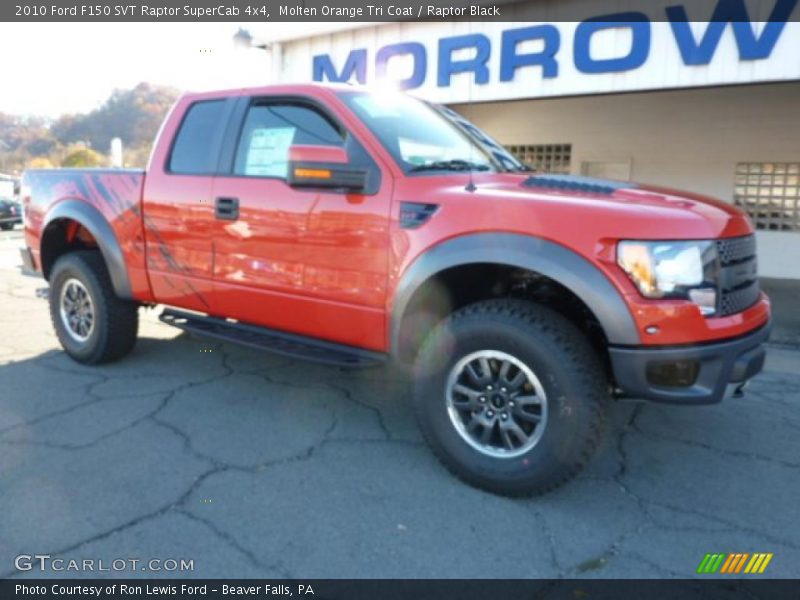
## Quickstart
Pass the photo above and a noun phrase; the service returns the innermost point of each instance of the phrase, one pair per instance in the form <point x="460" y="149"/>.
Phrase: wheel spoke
<point x="528" y="400"/>
<point x="474" y="423"/>
<point x="474" y="376"/>
<point x="510" y="428"/>
<point x="472" y="397"/>
<point x="526" y="416"/>
<point x="518" y="381"/>
<point x="486" y="369"/>
<point x="503" y="373"/>
<point x="486" y="434"/>
<point x="506" y="439"/>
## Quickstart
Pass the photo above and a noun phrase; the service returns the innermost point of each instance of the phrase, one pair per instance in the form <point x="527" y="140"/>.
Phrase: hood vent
<point x="577" y="183"/>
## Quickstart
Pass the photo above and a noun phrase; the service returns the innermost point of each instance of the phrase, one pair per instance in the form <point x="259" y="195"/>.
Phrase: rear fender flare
<point x="96" y="224"/>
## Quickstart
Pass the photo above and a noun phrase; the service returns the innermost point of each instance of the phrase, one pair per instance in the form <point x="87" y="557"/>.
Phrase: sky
<point x="57" y="68"/>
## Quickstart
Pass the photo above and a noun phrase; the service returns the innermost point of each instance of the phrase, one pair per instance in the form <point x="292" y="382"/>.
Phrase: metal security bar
<point x="770" y="194"/>
<point x="548" y="158"/>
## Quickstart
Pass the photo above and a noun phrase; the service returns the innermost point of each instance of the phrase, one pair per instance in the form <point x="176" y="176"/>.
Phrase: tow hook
<point x="739" y="391"/>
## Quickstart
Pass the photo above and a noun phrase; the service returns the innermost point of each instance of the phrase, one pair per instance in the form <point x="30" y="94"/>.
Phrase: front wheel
<point x="93" y="324"/>
<point x="510" y="396"/>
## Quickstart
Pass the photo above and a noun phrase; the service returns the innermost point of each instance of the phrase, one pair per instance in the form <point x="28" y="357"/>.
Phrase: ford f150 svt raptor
<point x="350" y="227"/>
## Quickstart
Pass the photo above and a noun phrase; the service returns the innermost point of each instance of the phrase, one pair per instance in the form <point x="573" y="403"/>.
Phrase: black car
<point x="10" y="213"/>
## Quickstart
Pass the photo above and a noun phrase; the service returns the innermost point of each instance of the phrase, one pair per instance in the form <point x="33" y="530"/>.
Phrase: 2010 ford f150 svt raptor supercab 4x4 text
<point x="350" y="227"/>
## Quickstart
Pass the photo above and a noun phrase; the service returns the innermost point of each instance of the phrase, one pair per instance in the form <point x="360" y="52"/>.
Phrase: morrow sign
<point x="628" y="47"/>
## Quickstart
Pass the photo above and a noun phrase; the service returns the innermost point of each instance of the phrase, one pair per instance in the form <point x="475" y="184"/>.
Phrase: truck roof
<point x="281" y="88"/>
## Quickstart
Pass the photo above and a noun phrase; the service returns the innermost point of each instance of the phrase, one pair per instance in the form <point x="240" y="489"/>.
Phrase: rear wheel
<point x="510" y="396"/>
<point x="6" y="226"/>
<point x="93" y="325"/>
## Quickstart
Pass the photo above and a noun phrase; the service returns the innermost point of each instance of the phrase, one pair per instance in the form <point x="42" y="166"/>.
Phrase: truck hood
<point x="651" y="212"/>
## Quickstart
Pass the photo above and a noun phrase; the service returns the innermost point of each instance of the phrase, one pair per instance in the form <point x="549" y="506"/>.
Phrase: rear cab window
<point x="195" y="150"/>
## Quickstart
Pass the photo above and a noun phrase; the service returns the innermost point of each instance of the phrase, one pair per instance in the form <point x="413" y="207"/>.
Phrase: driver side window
<point x="271" y="128"/>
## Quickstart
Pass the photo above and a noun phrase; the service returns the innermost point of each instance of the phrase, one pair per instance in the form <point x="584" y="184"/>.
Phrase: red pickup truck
<point x="350" y="227"/>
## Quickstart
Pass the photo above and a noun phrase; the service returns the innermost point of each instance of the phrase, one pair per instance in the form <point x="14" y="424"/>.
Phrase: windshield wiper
<point x="455" y="164"/>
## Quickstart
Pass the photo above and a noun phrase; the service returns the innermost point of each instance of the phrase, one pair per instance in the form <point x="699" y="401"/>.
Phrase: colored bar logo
<point x="735" y="562"/>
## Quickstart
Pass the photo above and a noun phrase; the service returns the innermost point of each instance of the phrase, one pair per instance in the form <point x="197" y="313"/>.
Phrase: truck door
<point x="177" y="210"/>
<point x="305" y="261"/>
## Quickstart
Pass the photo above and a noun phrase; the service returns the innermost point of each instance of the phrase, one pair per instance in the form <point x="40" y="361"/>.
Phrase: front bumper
<point x="722" y="366"/>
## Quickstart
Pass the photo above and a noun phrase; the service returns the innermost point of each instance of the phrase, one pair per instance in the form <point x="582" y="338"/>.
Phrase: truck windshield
<point x="507" y="160"/>
<point x="420" y="138"/>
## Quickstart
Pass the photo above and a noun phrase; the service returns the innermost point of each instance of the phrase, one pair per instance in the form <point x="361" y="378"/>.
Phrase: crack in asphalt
<point x="717" y="450"/>
<point x="225" y="537"/>
<point x="87" y="391"/>
<point x="617" y="546"/>
<point x="613" y="548"/>
<point x="150" y="515"/>
<point x="348" y="395"/>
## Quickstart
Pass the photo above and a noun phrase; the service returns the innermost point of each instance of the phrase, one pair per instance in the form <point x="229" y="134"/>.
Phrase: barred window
<point x="550" y="158"/>
<point x="770" y="194"/>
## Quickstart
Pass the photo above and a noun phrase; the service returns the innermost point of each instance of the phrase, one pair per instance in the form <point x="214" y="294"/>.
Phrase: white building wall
<point x="688" y="139"/>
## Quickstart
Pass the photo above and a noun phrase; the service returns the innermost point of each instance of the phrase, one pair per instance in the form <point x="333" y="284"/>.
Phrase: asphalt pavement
<point x="252" y="465"/>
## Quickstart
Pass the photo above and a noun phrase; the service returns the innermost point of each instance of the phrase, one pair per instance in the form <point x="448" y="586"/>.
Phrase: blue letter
<point x="356" y="62"/>
<point x="415" y="49"/>
<point x="447" y="67"/>
<point x="640" y="43"/>
<point x="735" y="12"/>
<point x="510" y="61"/>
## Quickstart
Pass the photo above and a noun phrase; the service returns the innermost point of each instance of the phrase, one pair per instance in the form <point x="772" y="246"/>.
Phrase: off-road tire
<point x="568" y="368"/>
<point x="116" y="321"/>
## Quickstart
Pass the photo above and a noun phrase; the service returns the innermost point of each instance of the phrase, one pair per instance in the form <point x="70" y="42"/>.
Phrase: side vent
<point x="415" y="214"/>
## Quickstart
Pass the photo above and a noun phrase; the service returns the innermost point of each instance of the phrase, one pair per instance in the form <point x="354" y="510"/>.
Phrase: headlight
<point x="685" y="270"/>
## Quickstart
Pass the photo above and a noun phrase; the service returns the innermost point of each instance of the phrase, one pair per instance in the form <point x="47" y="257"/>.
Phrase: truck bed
<point x="115" y="193"/>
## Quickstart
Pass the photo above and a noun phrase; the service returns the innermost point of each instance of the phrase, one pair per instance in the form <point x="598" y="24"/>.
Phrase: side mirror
<point x="324" y="167"/>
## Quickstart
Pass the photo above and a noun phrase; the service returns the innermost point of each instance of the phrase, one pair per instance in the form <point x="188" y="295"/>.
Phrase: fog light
<point x="706" y="299"/>
<point x="678" y="373"/>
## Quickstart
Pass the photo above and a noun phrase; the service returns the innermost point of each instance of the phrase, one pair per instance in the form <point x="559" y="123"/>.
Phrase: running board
<point x="279" y="342"/>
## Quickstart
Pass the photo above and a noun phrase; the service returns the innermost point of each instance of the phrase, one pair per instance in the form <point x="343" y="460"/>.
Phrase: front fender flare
<point x="96" y="224"/>
<point x="566" y="267"/>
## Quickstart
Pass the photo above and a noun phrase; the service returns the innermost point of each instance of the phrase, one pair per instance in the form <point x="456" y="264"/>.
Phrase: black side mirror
<point x="324" y="167"/>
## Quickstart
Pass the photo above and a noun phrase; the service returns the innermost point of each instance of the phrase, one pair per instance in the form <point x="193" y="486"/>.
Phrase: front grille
<point x="734" y="250"/>
<point x="738" y="300"/>
<point x="739" y="288"/>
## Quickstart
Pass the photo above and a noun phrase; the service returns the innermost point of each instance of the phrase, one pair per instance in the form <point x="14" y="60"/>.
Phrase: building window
<point x="770" y="194"/>
<point x="550" y="158"/>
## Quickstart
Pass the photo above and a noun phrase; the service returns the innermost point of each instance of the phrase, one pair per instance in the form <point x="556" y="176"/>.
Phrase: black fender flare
<point x="96" y="224"/>
<point x="552" y="260"/>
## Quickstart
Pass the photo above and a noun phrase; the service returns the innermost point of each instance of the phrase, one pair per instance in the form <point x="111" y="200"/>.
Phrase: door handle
<point x="226" y="208"/>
